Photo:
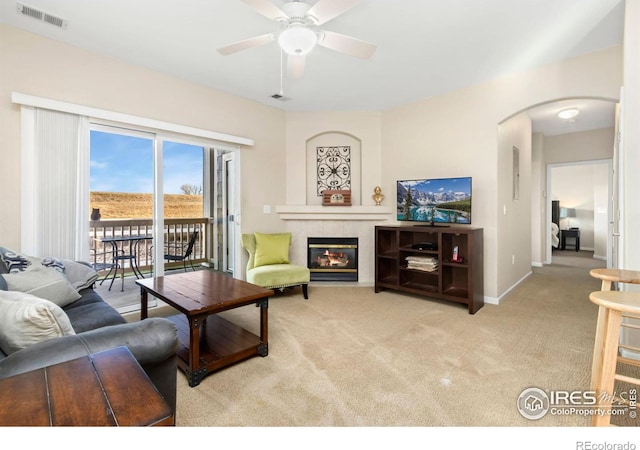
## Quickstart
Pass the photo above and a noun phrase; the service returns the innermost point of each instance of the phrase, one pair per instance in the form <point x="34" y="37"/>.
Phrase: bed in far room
<point x="555" y="223"/>
<point x="555" y="240"/>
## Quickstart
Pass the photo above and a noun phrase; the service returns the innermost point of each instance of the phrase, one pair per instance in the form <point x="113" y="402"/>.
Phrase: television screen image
<point x="435" y="201"/>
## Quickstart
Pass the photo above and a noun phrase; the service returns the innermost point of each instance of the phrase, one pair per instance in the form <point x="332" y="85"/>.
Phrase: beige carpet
<point x="350" y="357"/>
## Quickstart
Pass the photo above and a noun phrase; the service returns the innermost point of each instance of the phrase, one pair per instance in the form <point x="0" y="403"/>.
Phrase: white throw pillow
<point x="26" y="320"/>
<point x="43" y="282"/>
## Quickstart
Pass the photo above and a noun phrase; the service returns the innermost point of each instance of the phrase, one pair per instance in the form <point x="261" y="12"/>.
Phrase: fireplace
<point x="333" y="258"/>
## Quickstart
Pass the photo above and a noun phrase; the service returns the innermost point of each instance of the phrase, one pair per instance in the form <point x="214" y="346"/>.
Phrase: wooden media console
<point x="434" y="261"/>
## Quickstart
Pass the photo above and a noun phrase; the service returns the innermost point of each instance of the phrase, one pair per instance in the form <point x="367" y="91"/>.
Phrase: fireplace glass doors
<point x="332" y="258"/>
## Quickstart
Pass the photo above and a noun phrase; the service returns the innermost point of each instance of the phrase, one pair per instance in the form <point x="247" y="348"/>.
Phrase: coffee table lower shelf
<point x="222" y="343"/>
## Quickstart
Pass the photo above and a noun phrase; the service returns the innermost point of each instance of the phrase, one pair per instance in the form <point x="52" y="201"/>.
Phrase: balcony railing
<point x="176" y="232"/>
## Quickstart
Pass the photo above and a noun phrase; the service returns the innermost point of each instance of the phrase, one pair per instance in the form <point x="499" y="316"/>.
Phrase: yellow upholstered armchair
<point x="269" y="265"/>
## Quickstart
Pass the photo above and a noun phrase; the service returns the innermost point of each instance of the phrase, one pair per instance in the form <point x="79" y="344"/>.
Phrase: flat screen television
<point x="433" y="201"/>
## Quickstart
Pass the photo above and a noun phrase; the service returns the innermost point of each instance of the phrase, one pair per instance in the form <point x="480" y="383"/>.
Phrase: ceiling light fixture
<point x="297" y="40"/>
<point x="568" y="113"/>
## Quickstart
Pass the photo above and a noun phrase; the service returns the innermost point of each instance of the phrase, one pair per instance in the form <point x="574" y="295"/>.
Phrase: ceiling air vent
<point x="34" y="13"/>
<point x="280" y="97"/>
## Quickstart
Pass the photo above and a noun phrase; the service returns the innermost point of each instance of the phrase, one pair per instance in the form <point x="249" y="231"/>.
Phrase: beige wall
<point x="451" y="135"/>
<point x="540" y="226"/>
<point x="584" y="146"/>
<point x="457" y="134"/>
<point x="42" y="67"/>
<point x="514" y="204"/>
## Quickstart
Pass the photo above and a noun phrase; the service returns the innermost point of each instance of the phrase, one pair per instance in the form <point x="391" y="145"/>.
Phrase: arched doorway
<point x="587" y="139"/>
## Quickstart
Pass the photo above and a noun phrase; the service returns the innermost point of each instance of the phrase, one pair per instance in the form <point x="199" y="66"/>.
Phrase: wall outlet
<point x="266" y="209"/>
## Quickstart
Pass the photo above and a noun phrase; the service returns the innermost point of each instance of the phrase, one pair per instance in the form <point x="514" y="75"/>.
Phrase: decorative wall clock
<point x="336" y="198"/>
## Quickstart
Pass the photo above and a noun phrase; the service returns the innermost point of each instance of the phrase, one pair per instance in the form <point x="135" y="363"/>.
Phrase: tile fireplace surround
<point x="336" y="221"/>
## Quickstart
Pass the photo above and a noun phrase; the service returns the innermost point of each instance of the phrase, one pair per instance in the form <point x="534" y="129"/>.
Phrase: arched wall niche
<point x="333" y="150"/>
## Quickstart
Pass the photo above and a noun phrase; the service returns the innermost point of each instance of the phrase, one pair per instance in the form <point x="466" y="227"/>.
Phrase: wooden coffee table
<point x="108" y="388"/>
<point x="209" y="342"/>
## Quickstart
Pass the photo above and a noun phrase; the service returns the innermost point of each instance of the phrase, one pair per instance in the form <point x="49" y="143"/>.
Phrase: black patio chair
<point x="182" y="252"/>
<point x="100" y="263"/>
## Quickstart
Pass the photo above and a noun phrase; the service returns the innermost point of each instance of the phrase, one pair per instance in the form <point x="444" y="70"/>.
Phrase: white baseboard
<point x="496" y="301"/>
<point x="491" y="300"/>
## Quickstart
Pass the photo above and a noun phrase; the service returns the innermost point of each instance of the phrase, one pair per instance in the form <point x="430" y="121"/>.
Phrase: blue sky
<point x="121" y="163"/>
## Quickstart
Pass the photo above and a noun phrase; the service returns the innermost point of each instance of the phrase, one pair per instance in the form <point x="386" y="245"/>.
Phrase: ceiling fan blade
<point x="348" y="45"/>
<point x="245" y="44"/>
<point x="325" y="10"/>
<point x="266" y="8"/>
<point x="295" y="66"/>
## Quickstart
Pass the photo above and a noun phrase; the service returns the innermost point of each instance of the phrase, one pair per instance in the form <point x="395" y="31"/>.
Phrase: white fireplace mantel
<point x="311" y="212"/>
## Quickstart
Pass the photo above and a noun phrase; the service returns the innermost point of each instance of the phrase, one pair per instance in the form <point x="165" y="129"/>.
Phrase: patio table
<point x="118" y="246"/>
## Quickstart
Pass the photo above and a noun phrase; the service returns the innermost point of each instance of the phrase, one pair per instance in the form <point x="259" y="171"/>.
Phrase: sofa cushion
<point x="91" y="312"/>
<point x="272" y="248"/>
<point x="43" y="282"/>
<point x="26" y="320"/>
<point x="278" y="275"/>
<point x="3" y="284"/>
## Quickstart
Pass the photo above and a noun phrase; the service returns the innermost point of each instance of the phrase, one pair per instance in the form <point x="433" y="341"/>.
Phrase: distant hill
<point x="122" y="205"/>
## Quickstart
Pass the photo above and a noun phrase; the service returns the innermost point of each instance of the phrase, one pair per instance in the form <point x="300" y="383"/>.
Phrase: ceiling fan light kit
<point x="297" y="40"/>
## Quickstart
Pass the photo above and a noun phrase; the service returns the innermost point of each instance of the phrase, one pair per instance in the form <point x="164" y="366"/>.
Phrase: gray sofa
<point x="97" y="326"/>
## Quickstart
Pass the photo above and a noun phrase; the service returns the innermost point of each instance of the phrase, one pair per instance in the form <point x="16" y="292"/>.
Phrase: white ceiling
<point x="594" y="114"/>
<point x="424" y="47"/>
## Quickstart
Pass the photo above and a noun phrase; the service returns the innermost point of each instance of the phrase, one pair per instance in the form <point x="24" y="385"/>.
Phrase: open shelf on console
<point x="460" y="280"/>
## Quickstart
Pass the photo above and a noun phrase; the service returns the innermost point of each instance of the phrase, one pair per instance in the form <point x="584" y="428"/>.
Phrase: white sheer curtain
<point x="55" y="184"/>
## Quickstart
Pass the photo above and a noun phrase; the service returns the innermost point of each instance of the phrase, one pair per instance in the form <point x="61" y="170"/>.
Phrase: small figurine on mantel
<point x="377" y="196"/>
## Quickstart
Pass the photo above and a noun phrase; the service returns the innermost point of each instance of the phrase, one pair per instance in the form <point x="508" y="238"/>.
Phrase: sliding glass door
<point x="70" y="151"/>
<point x="185" y="230"/>
<point x="121" y="201"/>
<point x="134" y="175"/>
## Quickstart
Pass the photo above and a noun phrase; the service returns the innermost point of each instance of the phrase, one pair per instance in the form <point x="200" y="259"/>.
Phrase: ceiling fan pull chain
<point x="281" y="72"/>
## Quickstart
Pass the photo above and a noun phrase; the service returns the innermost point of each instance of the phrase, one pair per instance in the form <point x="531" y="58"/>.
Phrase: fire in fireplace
<point x="333" y="258"/>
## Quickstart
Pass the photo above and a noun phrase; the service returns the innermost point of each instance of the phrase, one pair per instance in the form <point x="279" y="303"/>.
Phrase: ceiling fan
<point x="299" y="31"/>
